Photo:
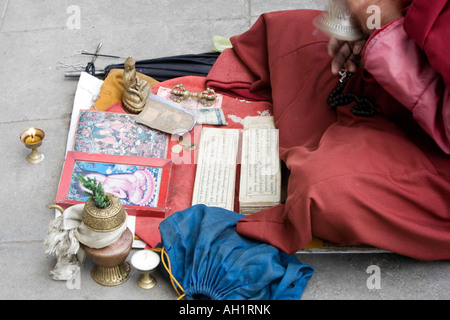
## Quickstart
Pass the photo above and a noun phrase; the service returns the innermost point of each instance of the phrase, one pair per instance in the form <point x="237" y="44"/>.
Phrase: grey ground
<point x="35" y="45"/>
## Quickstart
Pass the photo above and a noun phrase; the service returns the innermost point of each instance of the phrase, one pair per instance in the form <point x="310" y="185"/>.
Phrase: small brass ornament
<point x="136" y="91"/>
<point x="206" y="98"/>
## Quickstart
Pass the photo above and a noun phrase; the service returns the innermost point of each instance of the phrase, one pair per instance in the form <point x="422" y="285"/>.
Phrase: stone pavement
<point x="40" y="40"/>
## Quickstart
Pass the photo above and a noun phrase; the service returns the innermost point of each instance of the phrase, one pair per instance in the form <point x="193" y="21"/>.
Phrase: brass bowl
<point x="111" y="268"/>
<point x="39" y="133"/>
<point x="105" y="220"/>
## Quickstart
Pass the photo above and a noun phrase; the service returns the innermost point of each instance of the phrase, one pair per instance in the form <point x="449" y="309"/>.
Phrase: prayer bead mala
<point x="364" y="107"/>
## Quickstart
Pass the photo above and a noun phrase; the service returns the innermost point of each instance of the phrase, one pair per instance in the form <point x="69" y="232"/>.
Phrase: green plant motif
<point x="97" y="193"/>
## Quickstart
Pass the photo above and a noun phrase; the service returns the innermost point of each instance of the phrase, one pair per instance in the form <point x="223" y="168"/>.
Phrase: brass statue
<point x="136" y="91"/>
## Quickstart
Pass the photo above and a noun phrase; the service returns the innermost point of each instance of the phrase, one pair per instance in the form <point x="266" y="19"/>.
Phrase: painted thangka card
<point x="110" y="133"/>
<point x="140" y="183"/>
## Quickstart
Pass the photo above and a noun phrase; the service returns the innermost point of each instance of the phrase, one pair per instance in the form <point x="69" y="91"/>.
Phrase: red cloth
<point x="181" y="185"/>
<point x="235" y="79"/>
<point x="379" y="181"/>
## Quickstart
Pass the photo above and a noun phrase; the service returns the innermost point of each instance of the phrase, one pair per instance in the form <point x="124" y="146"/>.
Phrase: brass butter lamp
<point x="146" y="261"/>
<point x="33" y="139"/>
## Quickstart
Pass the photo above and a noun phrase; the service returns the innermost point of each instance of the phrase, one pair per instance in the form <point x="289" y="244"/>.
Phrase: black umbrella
<point x="162" y="69"/>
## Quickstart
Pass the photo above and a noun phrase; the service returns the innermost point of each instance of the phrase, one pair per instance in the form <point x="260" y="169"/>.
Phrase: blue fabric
<point x="213" y="262"/>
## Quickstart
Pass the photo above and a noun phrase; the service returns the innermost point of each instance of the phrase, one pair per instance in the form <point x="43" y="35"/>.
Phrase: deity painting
<point x="134" y="185"/>
<point x="118" y="134"/>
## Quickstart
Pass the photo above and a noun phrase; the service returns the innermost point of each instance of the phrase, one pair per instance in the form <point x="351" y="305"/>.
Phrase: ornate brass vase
<point x="104" y="220"/>
<point x="111" y="268"/>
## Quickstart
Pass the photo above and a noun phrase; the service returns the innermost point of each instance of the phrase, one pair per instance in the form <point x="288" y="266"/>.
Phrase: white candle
<point x="145" y="260"/>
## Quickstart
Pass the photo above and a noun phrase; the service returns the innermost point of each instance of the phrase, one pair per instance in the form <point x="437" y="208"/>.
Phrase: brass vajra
<point x="207" y="98"/>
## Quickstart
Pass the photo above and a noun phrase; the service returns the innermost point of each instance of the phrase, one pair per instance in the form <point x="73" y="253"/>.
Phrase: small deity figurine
<point x="136" y="91"/>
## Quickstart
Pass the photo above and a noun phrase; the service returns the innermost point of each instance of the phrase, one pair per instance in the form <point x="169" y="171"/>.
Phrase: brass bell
<point x="338" y="23"/>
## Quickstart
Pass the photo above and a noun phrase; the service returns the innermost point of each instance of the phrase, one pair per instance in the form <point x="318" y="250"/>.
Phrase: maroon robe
<point x="380" y="181"/>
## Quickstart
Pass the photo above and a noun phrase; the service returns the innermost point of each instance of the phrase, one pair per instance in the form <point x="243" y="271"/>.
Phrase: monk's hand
<point x="367" y="15"/>
<point x="345" y="54"/>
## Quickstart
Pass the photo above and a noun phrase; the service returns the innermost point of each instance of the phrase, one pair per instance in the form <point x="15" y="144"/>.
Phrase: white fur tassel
<point x="66" y="247"/>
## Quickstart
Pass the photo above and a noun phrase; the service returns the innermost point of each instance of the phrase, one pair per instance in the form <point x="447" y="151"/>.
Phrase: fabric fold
<point x="213" y="262"/>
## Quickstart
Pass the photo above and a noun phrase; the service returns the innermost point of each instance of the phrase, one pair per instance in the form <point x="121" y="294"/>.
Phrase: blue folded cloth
<point x="212" y="261"/>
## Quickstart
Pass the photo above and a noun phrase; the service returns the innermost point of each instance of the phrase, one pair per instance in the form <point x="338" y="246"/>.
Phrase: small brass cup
<point x="35" y="156"/>
<point x="146" y="261"/>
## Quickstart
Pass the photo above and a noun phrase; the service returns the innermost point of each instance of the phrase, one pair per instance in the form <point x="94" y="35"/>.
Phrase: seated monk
<point x="377" y="176"/>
